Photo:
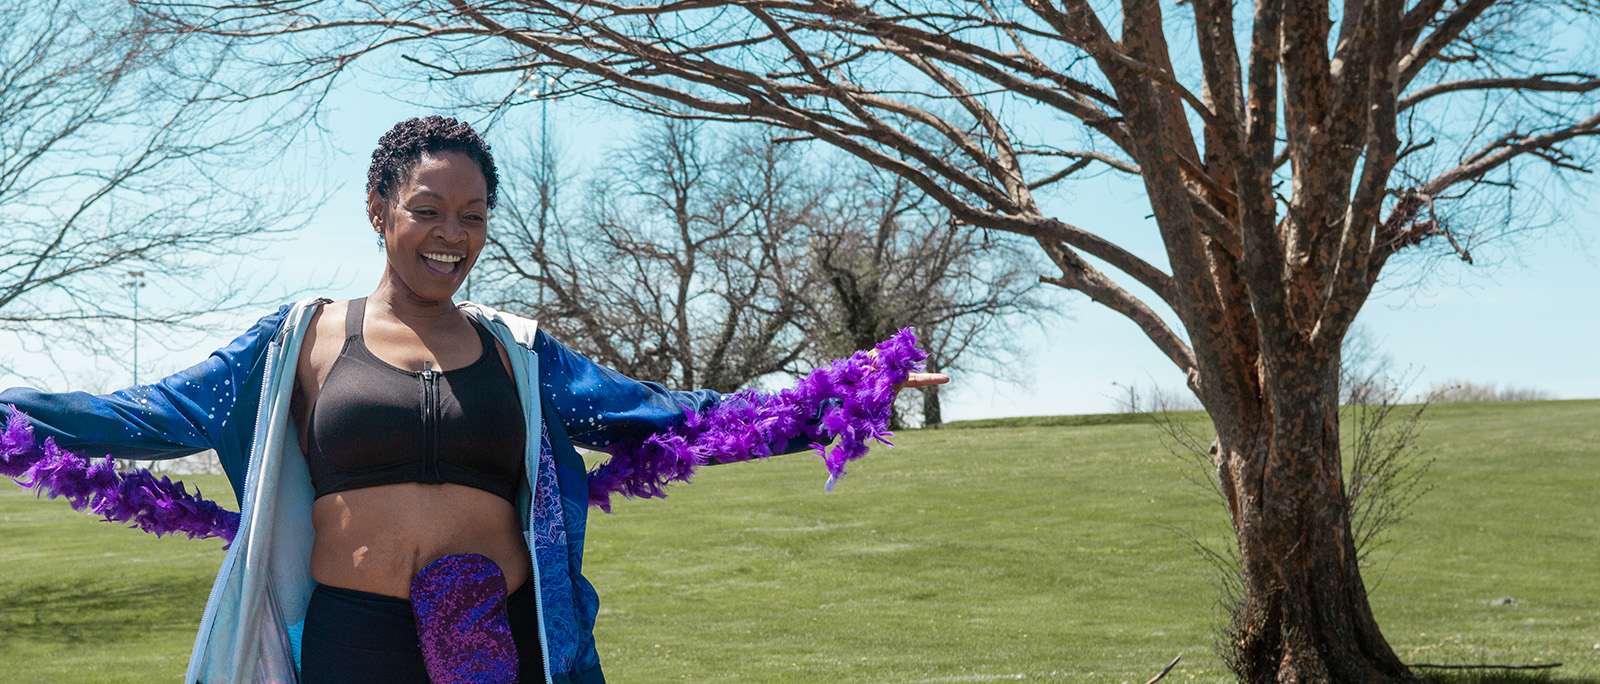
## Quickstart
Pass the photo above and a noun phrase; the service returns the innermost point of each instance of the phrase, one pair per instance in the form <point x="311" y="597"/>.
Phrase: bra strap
<point x="485" y="337"/>
<point x="353" y="316"/>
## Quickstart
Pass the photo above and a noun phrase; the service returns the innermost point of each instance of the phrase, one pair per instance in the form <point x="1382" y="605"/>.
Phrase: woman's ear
<point x="378" y="216"/>
<point x="377" y="210"/>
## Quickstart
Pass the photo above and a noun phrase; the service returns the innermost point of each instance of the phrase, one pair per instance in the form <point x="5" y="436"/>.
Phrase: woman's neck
<point x="394" y="299"/>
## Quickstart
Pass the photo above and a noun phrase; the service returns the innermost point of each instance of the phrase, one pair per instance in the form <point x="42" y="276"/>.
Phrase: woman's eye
<point x="427" y="213"/>
<point x="476" y="218"/>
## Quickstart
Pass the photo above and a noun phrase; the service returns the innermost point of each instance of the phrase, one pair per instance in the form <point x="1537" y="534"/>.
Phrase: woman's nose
<point x="452" y="228"/>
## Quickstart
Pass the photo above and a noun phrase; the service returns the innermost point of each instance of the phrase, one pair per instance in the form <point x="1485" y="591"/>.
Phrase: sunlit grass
<point x="1016" y="553"/>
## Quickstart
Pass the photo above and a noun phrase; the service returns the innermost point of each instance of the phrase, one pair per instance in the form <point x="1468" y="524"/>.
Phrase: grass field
<point x="1036" y="553"/>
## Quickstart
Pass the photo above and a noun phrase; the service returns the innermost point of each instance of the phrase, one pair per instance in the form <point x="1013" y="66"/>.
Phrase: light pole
<point x="135" y="282"/>
<point x="544" y="151"/>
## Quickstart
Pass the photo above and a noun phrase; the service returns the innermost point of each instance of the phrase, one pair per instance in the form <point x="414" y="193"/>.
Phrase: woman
<point x="402" y="447"/>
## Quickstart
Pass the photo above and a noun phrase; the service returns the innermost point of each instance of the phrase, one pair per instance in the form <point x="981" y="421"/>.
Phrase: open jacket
<point x="237" y="402"/>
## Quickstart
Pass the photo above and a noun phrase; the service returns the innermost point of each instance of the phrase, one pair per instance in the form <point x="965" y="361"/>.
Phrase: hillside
<point x="1042" y="553"/>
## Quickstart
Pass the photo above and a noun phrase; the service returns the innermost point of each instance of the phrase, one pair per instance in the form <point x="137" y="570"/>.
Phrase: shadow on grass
<point x="1549" y="676"/>
<point x="80" y="612"/>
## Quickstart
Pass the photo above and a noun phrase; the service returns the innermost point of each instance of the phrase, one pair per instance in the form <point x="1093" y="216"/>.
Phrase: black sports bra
<point x="373" y="424"/>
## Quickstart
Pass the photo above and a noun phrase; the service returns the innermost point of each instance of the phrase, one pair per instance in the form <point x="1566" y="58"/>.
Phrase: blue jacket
<point x="236" y="402"/>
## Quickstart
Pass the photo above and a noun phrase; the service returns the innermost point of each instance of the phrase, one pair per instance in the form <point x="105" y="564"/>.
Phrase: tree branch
<point x="1505" y="149"/>
<point x="1536" y="83"/>
<point x="1077" y="274"/>
<point x="1443" y="35"/>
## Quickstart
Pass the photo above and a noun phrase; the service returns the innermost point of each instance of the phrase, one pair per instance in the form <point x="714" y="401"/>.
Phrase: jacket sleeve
<point x="599" y="406"/>
<point x="657" y="437"/>
<point x="210" y="405"/>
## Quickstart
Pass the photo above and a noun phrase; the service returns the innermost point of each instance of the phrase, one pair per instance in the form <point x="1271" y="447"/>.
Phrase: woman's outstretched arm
<point x="599" y="406"/>
<point x="656" y="436"/>
<point x="210" y="405"/>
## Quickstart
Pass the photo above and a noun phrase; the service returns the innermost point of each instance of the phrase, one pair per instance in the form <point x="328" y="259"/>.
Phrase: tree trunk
<point x="1304" y="616"/>
<point x="932" y="415"/>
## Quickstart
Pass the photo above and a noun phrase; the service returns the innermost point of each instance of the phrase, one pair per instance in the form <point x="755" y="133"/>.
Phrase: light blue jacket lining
<point x="264" y="585"/>
<point x="237" y="402"/>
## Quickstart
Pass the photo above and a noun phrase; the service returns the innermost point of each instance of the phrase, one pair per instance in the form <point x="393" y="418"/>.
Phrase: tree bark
<point x="1304" y="615"/>
<point x="932" y="413"/>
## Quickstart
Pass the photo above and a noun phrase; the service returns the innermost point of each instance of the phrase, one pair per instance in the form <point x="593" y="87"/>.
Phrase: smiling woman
<point x="412" y="508"/>
<point x="410" y="421"/>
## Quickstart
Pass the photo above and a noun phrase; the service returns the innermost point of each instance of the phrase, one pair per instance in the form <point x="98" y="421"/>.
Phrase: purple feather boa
<point x="750" y="423"/>
<point x="744" y="425"/>
<point x="138" y="498"/>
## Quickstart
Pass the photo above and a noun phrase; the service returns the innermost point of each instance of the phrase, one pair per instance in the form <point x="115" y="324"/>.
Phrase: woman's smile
<point x="442" y="264"/>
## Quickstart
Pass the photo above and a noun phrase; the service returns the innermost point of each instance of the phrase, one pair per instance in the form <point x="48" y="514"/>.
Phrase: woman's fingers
<point x="913" y="380"/>
<point x="924" y="379"/>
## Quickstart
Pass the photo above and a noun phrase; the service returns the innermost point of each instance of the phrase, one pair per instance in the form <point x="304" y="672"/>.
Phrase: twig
<point x="1165" y="670"/>
<point x="1541" y="666"/>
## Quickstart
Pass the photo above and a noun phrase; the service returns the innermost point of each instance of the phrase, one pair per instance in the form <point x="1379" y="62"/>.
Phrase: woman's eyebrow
<point x="429" y="194"/>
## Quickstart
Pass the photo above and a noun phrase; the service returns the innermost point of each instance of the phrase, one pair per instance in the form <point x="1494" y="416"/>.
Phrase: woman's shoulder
<point x="276" y="324"/>
<point x="311" y="308"/>
<point x="522" y="330"/>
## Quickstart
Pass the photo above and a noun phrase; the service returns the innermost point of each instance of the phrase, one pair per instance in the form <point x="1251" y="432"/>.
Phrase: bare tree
<point x="1288" y="151"/>
<point x="686" y="264"/>
<point x="1387" y="467"/>
<point x="112" y="154"/>
<point x="1365" y="371"/>
<point x="703" y="260"/>
<point x="890" y="258"/>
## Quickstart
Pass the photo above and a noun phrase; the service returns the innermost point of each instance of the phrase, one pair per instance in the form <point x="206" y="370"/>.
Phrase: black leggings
<point x="357" y="637"/>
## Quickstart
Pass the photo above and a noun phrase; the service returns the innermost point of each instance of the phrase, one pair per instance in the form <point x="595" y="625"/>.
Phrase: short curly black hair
<point x="402" y="147"/>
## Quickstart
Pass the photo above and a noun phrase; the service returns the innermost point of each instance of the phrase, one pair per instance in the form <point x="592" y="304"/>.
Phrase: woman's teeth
<point x="442" y="264"/>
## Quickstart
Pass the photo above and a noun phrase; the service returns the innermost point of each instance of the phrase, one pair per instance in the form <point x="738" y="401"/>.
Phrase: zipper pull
<point x="427" y="369"/>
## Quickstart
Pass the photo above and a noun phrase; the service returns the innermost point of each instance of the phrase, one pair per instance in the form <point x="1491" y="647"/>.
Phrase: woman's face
<point x="435" y="224"/>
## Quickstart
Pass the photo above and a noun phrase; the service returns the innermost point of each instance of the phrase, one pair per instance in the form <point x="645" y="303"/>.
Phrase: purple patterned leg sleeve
<point x="460" y="604"/>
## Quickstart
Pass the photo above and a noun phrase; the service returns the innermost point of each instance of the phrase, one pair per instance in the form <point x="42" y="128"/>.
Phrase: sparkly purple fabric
<point x="750" y="423"/>
<point x="136" y="497"/>
<point x="460" y="604"/>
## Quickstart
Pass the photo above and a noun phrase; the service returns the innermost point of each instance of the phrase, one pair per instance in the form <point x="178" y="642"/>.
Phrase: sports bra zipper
<point x="430" y="423"/>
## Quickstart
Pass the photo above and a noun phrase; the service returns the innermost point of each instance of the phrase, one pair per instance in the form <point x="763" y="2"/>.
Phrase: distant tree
<point x="1458" y="391"/>
<point x="1288" y="151"/>
<point x="114" y="158"/>
<point x="686" y="263"/>
<point x="1365" y="371"/>
<point x="890" y="257"/>
<point x="704" y="260"/>
<point x="1157" y="401"/>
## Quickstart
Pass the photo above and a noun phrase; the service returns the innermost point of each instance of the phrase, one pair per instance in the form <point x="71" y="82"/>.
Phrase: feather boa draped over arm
<point x="854" y="397"/>
<point x="138" y="498"/>
<point x="849" y="400"/>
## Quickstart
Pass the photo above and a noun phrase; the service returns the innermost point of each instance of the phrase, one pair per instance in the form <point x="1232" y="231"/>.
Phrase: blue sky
<point x="1528" y="318"/>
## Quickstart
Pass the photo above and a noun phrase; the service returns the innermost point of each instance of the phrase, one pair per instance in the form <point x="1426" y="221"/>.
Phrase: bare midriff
<point x="375" y="539"/>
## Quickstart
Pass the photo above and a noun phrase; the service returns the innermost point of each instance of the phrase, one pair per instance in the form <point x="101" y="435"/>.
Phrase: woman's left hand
<point x="913" y="380"/>
<point x="922" y="380"/>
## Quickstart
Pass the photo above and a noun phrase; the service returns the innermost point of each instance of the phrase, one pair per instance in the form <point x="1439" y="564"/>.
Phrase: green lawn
<point x="1044" y="552"/>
